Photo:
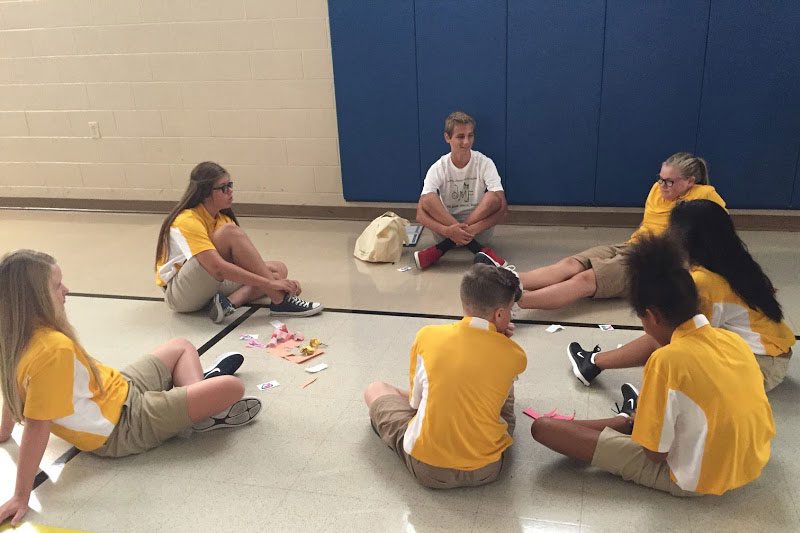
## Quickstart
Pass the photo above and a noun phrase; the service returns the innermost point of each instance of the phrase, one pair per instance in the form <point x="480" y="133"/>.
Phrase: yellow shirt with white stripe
<point x="726" y="310"/>
<point x="461" y="375"/>
<point x="56" y="384"/>
<point x="189" y="235"/>
<point x="657" y="209"/>
<point x="703" y="402"/>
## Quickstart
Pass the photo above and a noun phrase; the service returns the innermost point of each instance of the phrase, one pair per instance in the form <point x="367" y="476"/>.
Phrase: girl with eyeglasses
<point x="735" y="295"/>
<point x="205" y="260"/>
<point x="598" y="272"/>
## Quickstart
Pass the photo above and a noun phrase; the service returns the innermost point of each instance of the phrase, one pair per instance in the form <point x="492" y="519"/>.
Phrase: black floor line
<point x="73" y="452"/>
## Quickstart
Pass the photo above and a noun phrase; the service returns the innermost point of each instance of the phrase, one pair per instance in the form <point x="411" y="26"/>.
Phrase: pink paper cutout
<point x="531" y="412"/>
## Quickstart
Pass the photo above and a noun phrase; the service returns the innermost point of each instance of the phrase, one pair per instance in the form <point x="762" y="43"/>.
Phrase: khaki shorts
<point x="774" y="368"/>
<point x="153" y="412"/>
<point x="609" y="269"/>
<point x="618" y="454"/>
<point x="390" y="416"/>
<point x="192" y="288"/>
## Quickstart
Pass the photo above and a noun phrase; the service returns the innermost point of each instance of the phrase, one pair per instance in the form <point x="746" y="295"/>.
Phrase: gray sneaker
<point x="219" y="308"/>
<point x="238" y="414"/>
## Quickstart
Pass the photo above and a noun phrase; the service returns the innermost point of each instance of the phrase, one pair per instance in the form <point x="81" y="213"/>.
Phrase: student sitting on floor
<point x="204" y="259"/>
<point x="598" y="272"/>
<point x="452" y="427"/>
<point x="702" y="424"/>
<point x="735" y="295"/>
<point x="462" y="198"/>
<point x="51" y="384"/>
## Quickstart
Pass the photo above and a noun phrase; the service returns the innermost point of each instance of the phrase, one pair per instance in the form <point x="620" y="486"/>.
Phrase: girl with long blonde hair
<point x="50" y="384"/>
<point x="205" y="260"/>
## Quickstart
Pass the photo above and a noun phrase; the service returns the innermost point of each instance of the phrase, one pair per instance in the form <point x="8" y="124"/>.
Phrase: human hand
<point x="509" y="330"/>
<point x="15" y="508"/>
<point x="459" y="234"/>
<point x="288" y="286"/>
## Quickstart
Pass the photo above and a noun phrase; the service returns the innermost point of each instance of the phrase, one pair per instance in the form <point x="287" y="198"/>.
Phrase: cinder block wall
<point x="169" y="83"/>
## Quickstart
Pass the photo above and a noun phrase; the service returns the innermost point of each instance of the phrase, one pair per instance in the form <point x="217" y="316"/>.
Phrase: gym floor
<point x="310" y="461"/>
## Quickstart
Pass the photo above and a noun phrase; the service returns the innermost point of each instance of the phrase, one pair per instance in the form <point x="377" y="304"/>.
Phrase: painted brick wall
<point x="246" y="83"/>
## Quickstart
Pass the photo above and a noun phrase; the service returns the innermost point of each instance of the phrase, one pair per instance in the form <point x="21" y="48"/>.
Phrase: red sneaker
<point x="499" y="261"/>
<point x="427" y="257"/>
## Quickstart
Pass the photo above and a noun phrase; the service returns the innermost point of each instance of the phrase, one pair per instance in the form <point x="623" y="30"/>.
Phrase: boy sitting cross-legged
<point x="702" y="424"/>
<point x="452" y="427"/>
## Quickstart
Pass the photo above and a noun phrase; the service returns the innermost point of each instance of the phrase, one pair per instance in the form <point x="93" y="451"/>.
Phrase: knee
<point x="279" y="268"/>
<point x="373" y="390"/>
<point x="234" y="387"/>
<point x="587" y="280"/>
<point x="539" y="427"/>
<point x="227" y="232"/>
<point x="181" y="344"/>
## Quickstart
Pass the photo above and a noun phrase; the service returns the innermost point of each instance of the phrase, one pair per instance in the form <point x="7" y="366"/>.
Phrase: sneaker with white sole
<point x="630" y="400"/>
<point x="225" y="365"/>
<point x="294" y="306"/>
<point x="240" y="413"/>
<point x="582" y="361"/>
<point x="219" y="308"/>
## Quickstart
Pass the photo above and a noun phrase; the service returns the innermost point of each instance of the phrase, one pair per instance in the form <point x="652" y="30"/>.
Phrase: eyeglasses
<point x="667" y="183"/>
<point x="224" y="188"/>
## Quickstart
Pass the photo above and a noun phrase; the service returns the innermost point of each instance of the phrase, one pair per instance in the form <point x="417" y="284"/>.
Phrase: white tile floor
<point x="310" y="462"/>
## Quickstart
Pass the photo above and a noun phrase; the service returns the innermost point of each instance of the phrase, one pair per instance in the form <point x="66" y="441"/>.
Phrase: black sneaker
<point x="630" y="400"/>
<point x="225" y="365"/>
<point x="582" y="365"/>
<point x="220" y="308"/>
<point x="294" y="306"/>
<point x="238" y="414"/>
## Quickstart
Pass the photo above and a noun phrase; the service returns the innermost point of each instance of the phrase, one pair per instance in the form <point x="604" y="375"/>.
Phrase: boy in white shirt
<point x="462" y="198"/>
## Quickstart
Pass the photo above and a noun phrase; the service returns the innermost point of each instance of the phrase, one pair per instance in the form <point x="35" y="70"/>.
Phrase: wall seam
<point x="416" y="94"/>
<point x="600" y="102"/>
<point x="702" y="81"/>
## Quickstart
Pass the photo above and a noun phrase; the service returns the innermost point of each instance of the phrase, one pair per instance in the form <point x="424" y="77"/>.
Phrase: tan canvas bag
<point x="382" y="241"/>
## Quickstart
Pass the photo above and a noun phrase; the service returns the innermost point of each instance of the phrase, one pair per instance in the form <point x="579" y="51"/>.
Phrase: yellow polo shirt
<point x="726" y="310"/>
<point x="461" y="375"/>
<point x="703" y="402"/>
<point x="55" y="384"/>
<point x="189" y="235"/>
<point x="657" y="209"/>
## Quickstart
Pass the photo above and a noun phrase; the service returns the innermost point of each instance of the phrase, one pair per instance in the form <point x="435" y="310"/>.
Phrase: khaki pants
<point x="192" y="288"/>
<point x="773" y="368"/>
<point x="617" y="454"/>
<point x="153" y="412"/>
<point x="609" y="269"/>
<point x="390" y="416"/>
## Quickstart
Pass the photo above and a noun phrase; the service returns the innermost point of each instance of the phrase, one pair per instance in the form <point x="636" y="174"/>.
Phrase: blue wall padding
<point x="750" y="118"/>
<point x="577" y="101"/>
<point x="652" y="79"/>
<point x="376" y="99"/>
<point x="555" y="58"/>
<point x="461" y="50"/>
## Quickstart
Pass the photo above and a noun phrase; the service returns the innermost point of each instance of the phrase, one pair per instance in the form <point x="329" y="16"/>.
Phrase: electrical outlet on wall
<point x="94" y="130"/>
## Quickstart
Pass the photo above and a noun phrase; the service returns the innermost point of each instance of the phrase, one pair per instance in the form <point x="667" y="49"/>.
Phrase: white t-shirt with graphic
<point x="461" y="189"/>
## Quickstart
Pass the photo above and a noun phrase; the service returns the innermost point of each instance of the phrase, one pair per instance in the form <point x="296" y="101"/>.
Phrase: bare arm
<point x="219" y="268"/>
<point x="34" y="442"/>
<point x="7" y="425"/>
<point x="491" y="211"/>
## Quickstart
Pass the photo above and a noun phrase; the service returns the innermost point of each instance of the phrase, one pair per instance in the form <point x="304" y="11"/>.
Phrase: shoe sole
<point x="216" y="314"/>
<point x="218" y="360"/>
<point x="310" y="312"/>
<point x="239" y="414"/>
<point x="575" y="369"/>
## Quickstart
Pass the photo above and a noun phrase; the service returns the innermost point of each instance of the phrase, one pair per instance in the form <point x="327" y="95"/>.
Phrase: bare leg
<point x="575" y="439"/>
<point x="204" y="398"/>
<point x="582" y="285"/>
<point x="247" y="294"/>
<point x="378" y="388"/>
<point x="489" y="212"/>
<point x="635" y="353"/>
<point x="235" y="246"/>
<point x="551" y="274"/>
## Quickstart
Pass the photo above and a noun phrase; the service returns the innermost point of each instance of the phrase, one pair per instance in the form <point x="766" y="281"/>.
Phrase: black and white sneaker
<point x="583" y="362"/>
<point x="225" y="365"/>
<point x="219" y="308"/>
<point x="238" y="414"/>
<point x="294" y="306"/>
<point x="630" y="400"/>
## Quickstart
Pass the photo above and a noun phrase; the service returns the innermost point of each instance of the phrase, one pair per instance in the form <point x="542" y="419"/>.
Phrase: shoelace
<point x="299" y="302"/>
